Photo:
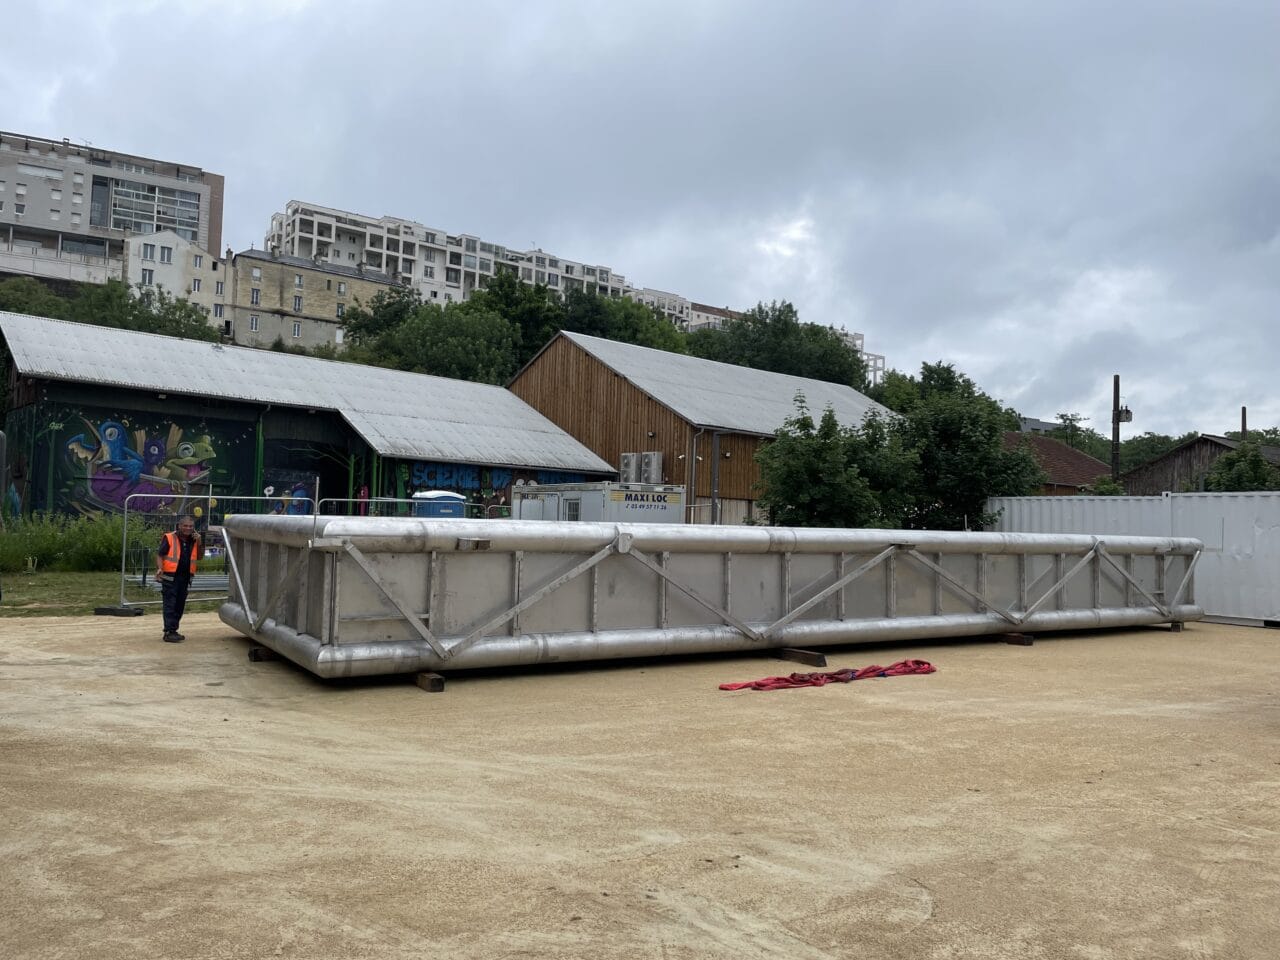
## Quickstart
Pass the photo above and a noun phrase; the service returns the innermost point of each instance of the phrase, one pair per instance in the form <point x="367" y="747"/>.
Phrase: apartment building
<point x="297" y="300"/>
<point x="68" y="211"/>
<point x="442" y="265"/>
<point x="703" y="317"/>
<point x="173" y="263"/>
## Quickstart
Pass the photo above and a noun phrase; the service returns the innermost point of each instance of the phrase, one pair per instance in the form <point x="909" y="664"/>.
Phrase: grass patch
<point x="55" y="594"/>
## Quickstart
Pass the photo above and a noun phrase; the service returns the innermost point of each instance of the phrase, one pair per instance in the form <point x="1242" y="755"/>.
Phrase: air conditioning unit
<point x="629" y="469"/>
<point x="651" y="466"/>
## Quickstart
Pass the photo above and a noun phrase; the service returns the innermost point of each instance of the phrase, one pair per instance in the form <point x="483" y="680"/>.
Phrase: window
<point x="553" y="280"/>
<point x="604" y="276"/>
<point x="253" y="323"/>
<point x="568" y="269"/>
<point x="218" y="311"/>
<point x="166" y="254"/>
<point x="588" y="271"/>
<point x="428" y="273"/>
<point x="342" y="287"/>
<point x="1" y="206"/>
<point x="573" y="509"/>
<point x="195" y="285"/>
<point x="55" y="194"/>
<point x="77" y="198"/>
<point x="257" y="274"/>
<point x="434" y="294"/>
<point x="217" y="288"/>
<point x="452" y="275"/>
<point x="255" y="297"/>
<point x="297" y="281"/>
<point x="471" y="245"/>
<point x="148" y="251"/>
<point x="351" y="256"/>
<point x="55" y="214"/>
<point x="540" y="276"/>
<point x="526" y="273"/>
<point x="429" y="237"/>
<point x="486" y="266"/>
<point x="148" y="277"/>
<point x="469" y="261"/>
<point x="19" y="208"/>
<point x="75" y="217"/>
<point x="20" y="189"/>
<point x="197" y="261"/>
<point x="553" y="263"/>
<point x="455" y="259"/>
<point x="297" y="330"/>
<point x="297" y="304"/>
<point x="539" y="261"/>
<point x="428" y="256"/>
<point x="342" y="309"/>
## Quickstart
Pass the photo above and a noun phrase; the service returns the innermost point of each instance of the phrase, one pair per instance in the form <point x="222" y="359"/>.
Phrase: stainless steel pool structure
<point x="352" y="596"/>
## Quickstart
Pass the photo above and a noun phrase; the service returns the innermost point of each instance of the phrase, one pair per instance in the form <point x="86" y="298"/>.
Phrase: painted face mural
<point x="116" y="464"/>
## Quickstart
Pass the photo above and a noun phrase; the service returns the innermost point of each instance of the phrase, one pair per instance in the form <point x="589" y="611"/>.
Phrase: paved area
<point x="1111" y="795"/>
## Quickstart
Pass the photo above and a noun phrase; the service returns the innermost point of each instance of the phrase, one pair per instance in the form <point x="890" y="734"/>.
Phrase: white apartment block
<point x="184" y="269"/>
<point x="442" y="265"/>
<point x="67" y="211"/>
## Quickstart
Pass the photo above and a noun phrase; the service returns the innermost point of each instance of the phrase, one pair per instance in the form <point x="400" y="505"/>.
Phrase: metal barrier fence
<point x="144" y="526"/>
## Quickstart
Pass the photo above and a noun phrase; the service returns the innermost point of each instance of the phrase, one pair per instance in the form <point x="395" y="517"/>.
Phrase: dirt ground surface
<point x="1106" y="795"/>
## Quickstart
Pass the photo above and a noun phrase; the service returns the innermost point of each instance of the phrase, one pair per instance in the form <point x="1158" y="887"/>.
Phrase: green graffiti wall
<point x="93" y="460"/>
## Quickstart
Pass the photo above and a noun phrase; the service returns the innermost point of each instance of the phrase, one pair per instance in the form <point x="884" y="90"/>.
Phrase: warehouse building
<point x="96" y="415"/>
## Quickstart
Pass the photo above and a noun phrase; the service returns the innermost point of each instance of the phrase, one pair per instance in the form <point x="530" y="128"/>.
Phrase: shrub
<point x="57" y="542"/>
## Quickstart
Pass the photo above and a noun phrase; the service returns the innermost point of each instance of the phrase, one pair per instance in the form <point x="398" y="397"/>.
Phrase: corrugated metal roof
<point x="404" y="415"/>
<point x="720" y="395"/>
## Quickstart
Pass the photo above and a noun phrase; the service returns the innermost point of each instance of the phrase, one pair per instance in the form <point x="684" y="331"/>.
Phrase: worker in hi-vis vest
<point x="175" y="566"/>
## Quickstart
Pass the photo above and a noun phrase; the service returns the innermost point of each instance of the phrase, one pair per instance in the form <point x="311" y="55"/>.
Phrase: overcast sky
<point x="1043" y="193"/>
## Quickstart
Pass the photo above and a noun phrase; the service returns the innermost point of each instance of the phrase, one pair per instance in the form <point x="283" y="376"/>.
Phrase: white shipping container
<point x="1238" y="576"/>
<point x="605" y="501"/>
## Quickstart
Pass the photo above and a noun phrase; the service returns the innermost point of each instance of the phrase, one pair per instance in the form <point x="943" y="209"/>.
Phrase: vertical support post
<point x="937" y="586"/>
<point x="891" y="586"/>
<point x="841" y="559"/>
<point x="786" y="583"/>
<point x="1059" y="571"/>
<point x="433" y="591"/>
<point x="1161" y="572"/>
<point x="1115" y="428"/>
<point x="517" y="572"/>
<point x="594" y="622"/>
<point x="1128" y="587"/>
<point x="982" y="582"/>
<point x="1022" y="582"/>
<point x="1095" y="579"/>
<point x="664" y="559"/>
<point x="728" y="581"/>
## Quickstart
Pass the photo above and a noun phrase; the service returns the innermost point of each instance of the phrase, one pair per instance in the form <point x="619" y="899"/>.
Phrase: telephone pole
<point x="1119" y="415"/>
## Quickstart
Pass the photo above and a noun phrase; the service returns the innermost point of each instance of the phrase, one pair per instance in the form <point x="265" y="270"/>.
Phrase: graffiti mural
<point x="165" y="466"/>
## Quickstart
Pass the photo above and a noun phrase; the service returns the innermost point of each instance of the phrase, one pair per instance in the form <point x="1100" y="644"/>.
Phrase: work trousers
<point x="174" y="592"/>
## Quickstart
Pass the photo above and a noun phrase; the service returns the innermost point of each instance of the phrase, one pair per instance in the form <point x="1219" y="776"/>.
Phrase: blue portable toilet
<point x="439" y="503"/>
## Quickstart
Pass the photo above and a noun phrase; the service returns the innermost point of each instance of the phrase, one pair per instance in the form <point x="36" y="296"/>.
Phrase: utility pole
<point x="1119" y="415"/>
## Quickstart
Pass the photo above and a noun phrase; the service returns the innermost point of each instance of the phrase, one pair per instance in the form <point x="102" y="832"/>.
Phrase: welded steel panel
<point x="403" y="594"/>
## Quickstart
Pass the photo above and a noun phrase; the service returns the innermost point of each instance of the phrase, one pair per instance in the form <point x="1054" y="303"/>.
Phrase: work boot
<point x="173" y="636"/>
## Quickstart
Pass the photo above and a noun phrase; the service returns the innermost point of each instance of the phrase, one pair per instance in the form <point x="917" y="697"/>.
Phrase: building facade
<point x="172" y="263"/>
<point x="68" y="211"/>
<point x="299" y="301"/>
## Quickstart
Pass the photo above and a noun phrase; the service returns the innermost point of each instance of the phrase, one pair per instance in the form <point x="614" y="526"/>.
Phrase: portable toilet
<point x="439" y="503"/>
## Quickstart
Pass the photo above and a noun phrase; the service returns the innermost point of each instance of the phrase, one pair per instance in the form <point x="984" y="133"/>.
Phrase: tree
<point x="1085" y="439"/>
<point x="28" y="295"/>
<point x="1105" y="486"/>
<point x="809" y="477"/>
<point x="534" y="312"/>
<point x="459" y="341"/>
<point x="387" y="310"/>
<point x="1243" y="469"/>
<point x="1146" y="447"/>
<point x="773" y="338"/>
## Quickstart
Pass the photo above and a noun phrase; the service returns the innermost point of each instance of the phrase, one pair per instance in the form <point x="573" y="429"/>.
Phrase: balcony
<point x="43" y="262"/>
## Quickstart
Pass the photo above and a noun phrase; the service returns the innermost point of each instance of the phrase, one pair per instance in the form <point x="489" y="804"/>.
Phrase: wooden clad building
<point x="1184" y="468"/>
<point x="705" y="419"/>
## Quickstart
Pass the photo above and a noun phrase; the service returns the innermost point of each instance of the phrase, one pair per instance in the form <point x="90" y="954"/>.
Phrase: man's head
<point x="187" y="525"/>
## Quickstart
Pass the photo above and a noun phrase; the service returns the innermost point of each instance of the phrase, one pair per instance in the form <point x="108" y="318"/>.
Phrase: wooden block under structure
<point x="1017" y="639"/>
<point x="262" y="654"/>
<point x="1176" y="626"/>
<point x="430" y="682"/>
<point x="811" y="658"/>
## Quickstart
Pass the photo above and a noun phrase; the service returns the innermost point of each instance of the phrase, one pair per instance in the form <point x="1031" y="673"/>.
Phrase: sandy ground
<point x="1111" y="795"/>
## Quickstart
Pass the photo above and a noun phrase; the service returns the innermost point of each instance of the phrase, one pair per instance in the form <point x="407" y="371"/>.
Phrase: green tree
<point x="28" y="295"/>
<point x="1135" y="451"/>
<point x="809" y="477"/>
<point x="1243" y="469"/>
<point x="387" y="309"/>
<point x="534" y="311"/>
<point x="1085" y="439"/>
<point x="459" y="341"/>
<point x="625" y="320"/>
<point x="773" y="338"/>
<point x="1104" y="486"/>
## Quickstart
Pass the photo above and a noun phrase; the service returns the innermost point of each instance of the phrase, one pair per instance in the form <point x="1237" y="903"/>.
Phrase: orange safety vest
<point x="169" y="562"/>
